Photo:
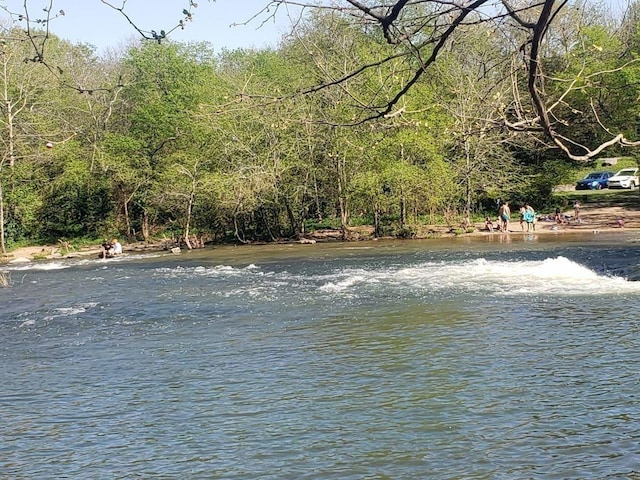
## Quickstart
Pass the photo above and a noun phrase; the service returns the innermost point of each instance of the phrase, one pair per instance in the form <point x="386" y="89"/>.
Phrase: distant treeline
<point x="263" y="144"/>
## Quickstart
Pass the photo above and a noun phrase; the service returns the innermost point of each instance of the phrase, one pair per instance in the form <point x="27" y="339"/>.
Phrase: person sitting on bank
<point x="489" y="224"/>
<point x="558" y="215"/>
<point x="117" y="247"/>
<point x="107" y="249"/>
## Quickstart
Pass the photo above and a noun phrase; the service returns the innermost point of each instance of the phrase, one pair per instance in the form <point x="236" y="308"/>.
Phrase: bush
<point x="406" y="232"/>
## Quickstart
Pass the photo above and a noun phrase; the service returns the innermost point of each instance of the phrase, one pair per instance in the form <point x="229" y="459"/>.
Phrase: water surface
<point x="454" y="359"/>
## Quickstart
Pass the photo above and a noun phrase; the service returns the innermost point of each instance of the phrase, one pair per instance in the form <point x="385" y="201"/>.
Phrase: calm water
<point x="457" y="359"/>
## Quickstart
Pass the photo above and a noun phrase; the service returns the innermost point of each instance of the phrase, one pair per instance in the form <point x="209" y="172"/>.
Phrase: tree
<point x="159" y="99"/>
<point x="420" y="32"/>
<point x="470" y="90"/>
<point x="30" y="116"/>
<point x="351" y="116"/>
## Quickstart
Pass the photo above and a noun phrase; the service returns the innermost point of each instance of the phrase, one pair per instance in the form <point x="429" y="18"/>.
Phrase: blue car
<point x="594" y="181"/>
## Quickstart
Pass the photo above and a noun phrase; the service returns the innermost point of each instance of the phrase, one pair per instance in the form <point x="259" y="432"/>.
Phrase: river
<point x="469" y="358"/>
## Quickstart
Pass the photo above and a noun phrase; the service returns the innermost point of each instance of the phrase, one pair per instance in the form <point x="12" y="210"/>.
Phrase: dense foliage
<point x="175" y="139"/>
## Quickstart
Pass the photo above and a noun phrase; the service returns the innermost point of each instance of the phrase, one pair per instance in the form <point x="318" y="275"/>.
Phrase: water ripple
<point x="385" y="366"/>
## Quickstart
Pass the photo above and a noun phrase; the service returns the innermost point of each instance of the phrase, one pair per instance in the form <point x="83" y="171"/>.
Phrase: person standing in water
<point x="529" y="216"/>
<point x="521" y="211"/>
<point x="505" y="213"/>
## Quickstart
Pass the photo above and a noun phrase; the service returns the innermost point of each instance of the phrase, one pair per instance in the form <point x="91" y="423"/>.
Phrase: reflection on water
<point x="445" y="360"/>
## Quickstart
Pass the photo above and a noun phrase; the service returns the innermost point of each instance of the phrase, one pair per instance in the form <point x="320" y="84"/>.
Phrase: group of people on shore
<point x="562" y="218"/>
<point x="527" y="216"/>
<point x="111" y="248"/>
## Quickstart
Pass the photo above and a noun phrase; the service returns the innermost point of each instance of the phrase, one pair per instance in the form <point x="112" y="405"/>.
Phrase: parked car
<point x="625" y="178"/>
<point x="594" y="181"/>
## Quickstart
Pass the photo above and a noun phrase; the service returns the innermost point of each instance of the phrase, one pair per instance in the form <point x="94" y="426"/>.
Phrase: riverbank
<point x="595" y="219"/>
<point x="50" y="252"/>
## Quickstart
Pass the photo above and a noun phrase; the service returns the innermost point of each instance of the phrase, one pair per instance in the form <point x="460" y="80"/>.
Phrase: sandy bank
<point x="593" y="219"/>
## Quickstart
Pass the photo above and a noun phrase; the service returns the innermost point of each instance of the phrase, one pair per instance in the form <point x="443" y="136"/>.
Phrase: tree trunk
<point x="342" y="201"/>
<point x="127" y="220"/>
<point x="187" y="224"/>
<point x="292" y="220"/>
<point x="316" y="198"/>
<point x="145" y="226"/>
<point x="467" y="203"/>
<point x="10" y="150"/>
<point x="187" y="242"/>
<point x="3" y="247"/>
<point x="237" y="229"/>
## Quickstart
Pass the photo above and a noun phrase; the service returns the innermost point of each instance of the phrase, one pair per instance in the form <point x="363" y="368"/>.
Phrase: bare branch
<point x="158" y="36"/>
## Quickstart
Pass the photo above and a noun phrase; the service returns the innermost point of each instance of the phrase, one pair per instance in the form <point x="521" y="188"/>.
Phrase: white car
<point x="625" y="178"/>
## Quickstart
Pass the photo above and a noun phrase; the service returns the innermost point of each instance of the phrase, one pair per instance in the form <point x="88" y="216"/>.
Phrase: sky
<point x="90" y="21"/>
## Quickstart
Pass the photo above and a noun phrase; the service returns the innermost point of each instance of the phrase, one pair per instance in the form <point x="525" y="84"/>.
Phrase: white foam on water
<point x="552" y="276"/>
<point x="40" y="319"/>
<point x="347" y="283"/>
<point x="70" y="311"/>
<point x="105" y="262"/>
<point x="37" y="266"/>
<point x="216" y="271"/>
